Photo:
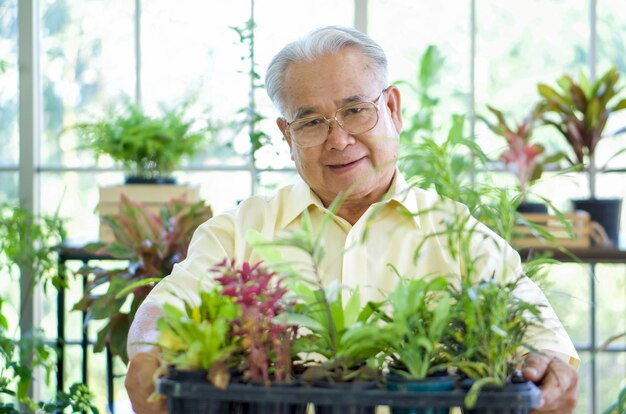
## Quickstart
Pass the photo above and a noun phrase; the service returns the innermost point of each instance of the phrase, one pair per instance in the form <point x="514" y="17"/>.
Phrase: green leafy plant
<point x="524" y="159"/>
<point x="152" y="244"/>
<point x="344" y="334"/>
<point x="200" y="337"/>
<point x="421" y="120"/>
<point x="417" y="327"/>
<point x="28" y="247"/>
<point x="491" y="331"/>
<point x="146" y="146"/>
<point x="29" y="241"/>
<point x="580" y="111"/>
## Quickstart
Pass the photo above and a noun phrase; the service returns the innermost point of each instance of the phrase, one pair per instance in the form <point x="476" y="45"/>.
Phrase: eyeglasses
<point x="355" y="118"/>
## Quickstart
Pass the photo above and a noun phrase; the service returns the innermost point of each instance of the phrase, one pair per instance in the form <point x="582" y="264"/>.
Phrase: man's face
<point x="365" y="161"/>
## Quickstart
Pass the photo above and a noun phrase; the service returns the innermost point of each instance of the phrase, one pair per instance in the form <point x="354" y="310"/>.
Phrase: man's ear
<point x="395" y="107"/>
<point x="282" y="125"/>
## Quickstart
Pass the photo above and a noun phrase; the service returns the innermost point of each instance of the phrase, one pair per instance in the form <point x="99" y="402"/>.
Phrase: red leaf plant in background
<point x="262" y="300"/>
<point x="521" y="157"/>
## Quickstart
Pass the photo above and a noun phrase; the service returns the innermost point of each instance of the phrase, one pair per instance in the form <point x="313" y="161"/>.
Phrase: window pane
<point x="611" y="28"/>
<point x="8" y="187"/>
<point x="520" y="44"/>
<point x="8" y="85"/>
<point x="406" y="28"/>
<point x="87" y="63"/>
<point x="222" y="190"/>
<point x="207" y="69"/>
<point x="269" y="182"/>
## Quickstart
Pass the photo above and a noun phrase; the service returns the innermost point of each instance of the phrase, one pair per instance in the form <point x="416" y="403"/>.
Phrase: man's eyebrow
<point x="312" y="110"/>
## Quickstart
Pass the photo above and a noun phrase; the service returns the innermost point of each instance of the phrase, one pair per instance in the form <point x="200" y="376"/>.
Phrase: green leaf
<point x="137" y="284"/>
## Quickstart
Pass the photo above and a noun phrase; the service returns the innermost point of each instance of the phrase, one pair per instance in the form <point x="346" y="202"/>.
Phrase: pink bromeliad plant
<point x="266" y="338"/>
<point x="522" y="157"/>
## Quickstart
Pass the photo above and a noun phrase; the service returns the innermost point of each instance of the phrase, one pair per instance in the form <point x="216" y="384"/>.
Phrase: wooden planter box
<point x="153" y="196"/>
<point x="581" y="225"/>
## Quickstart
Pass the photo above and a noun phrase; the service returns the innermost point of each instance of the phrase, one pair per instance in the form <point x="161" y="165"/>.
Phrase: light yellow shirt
<point x="392" y="230"/>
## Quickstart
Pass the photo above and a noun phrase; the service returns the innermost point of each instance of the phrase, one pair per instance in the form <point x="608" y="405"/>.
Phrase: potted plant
<point x="197" y="344"/>
<point x="417" y="326"/>
<point x="148" y="147"/>
<point x="152" y="244"/>
<point x="491" y="323"/>
<point x="580" y="111"/>
<point x="341" y="331"/>
<point x="524" y="159"/>
<point x="237" y="337"/>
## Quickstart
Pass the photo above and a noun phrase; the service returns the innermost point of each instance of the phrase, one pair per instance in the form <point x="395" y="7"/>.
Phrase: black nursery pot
<point x="183" y="405"/>
<point x="512" y="398"/>
<point x="427" y="385"/>
<point x="606" y="212"/>
<point x="348" y="387"/>
<point x="272" y="407"/>
<point x="189" y="392"/>
<point x="138" y="179"/>
<point x="530" y="207"/>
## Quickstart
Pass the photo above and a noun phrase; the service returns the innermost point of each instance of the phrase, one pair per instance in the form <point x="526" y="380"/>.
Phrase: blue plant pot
<point x="419" y="386"/>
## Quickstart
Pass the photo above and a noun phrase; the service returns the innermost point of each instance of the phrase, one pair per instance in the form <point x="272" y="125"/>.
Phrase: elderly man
<point x="342" y="121"/>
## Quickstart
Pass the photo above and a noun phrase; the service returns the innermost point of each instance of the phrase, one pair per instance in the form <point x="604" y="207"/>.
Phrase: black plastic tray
<point x="520" y="400"/>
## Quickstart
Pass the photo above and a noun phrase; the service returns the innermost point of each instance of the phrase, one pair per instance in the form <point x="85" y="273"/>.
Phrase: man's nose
<point x="338" y="138"/>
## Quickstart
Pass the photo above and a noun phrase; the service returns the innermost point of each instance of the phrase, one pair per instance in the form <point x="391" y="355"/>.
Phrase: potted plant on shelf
<point x="149" y="148"/>
<point x="524" y="159"/>
<point x="152" y="244"/>
<point x="580" y="111"/>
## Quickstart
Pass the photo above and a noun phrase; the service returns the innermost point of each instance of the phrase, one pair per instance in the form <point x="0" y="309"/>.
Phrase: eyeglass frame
<point x="329" y="121"/>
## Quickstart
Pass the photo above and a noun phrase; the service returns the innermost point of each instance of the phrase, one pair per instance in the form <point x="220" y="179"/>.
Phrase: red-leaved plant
<point x="262" y="301"/>
<point x="521" y="157"/>
<point x="152" y="244"/>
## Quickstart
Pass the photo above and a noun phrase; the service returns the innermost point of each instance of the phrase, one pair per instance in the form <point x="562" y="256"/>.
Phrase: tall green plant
<point x="421" y="120"/>
<point x="252" y="117"/>
<point x="342" y="331"/>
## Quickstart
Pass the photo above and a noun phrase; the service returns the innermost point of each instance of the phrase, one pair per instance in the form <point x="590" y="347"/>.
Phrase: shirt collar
<point x="301" y="197"/>
<point x="402" y="195"/>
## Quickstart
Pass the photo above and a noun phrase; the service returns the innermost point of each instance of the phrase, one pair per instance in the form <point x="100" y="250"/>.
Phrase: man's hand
<point x="140" y="383"/>
<point x="557" y="380"/>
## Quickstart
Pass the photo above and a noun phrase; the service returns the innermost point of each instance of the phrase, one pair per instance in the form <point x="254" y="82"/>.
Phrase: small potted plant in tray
<point x="237" y="338"/>
<point x="524" y="159"/>
<point x="490" y="336"/>
<point x="341" y="331"/>
<point x="197" y="345"/>
<point x="580" y="111"/>
<point x="416" y="330"/>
